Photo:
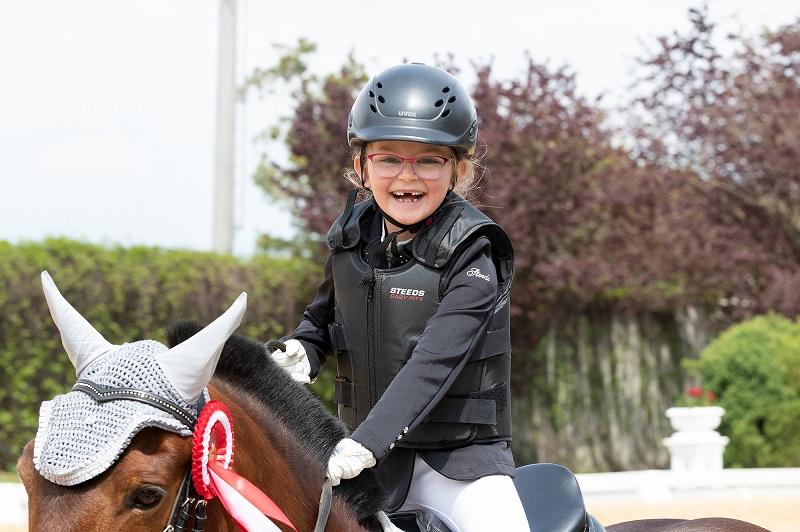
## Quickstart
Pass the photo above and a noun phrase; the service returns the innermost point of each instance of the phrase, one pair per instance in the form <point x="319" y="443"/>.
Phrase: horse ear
<point x="190" y="365"/>
<point x="82" y="341"/>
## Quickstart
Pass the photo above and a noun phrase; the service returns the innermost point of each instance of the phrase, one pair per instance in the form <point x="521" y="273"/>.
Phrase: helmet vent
<point x="445" y="113"/>
<point x="380" y="99"/>
<point x="451" y="99"/>
<point x="373" y="108"/>
<point x="371" y="94"/>
<point x="438" y="103"/>
<point x="446" y="90"/>
<point x="380" y="85"/>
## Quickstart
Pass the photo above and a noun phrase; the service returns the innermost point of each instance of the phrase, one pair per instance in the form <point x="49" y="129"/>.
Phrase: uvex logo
<point x="412" y="114"/>
<point x="406" y="294"/>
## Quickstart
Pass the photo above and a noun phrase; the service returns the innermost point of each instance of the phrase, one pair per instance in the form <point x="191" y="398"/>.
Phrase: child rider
<point x="415" y="306"/>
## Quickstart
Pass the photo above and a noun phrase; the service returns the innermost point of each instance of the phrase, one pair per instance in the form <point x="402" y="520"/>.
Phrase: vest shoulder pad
<point x="459" y="224"/>
<point x="345" y="232"/>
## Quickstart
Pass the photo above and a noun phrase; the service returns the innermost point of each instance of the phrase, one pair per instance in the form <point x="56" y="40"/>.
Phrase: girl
<point x="415" y="306"/>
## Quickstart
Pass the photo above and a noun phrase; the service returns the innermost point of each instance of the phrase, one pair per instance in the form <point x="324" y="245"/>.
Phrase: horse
<point x="284" y="437"/>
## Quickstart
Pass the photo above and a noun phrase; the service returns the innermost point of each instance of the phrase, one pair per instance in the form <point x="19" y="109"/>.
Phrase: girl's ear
<point x="360" y="172"/>
<point x="461" y="170"/>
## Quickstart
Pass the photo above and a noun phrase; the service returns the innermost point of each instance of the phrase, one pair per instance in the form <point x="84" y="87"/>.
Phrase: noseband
<point x="187" y="502"/>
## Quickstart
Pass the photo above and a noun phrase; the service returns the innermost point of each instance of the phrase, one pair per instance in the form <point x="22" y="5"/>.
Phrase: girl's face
<point x="406" y="197"/>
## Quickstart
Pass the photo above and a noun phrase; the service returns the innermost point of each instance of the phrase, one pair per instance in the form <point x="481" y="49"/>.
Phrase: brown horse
<point x="283" y="436"/>
<point x="706" y="524"/>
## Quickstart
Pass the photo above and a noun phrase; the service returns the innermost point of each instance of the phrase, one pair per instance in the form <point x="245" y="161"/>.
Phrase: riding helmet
<point x="414" y="102"/>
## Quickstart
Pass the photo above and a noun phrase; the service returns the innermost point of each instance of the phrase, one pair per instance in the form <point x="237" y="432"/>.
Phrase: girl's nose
<point x="407" y="172"/>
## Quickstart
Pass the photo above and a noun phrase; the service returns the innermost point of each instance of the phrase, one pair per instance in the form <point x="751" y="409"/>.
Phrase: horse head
<point x="132" y="408"/>
<point x="114" y="452"/>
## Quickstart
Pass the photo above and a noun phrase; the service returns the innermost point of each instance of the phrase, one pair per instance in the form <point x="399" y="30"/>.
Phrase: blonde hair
<point x="467" y="187"/>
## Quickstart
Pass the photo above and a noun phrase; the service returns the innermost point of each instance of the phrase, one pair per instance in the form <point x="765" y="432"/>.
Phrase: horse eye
<point x="147" y="497"/>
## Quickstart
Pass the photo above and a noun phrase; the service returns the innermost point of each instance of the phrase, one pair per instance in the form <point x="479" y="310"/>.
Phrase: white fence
<point x="656" y="486"/>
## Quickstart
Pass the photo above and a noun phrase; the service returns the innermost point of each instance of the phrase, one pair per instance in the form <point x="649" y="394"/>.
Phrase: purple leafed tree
<point x="732" y="120"/>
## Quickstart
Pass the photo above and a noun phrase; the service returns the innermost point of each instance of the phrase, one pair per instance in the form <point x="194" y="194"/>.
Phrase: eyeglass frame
<point x="413" y="161"/>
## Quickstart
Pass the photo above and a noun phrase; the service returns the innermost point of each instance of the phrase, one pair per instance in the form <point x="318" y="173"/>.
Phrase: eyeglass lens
<point x="425" y="166"/>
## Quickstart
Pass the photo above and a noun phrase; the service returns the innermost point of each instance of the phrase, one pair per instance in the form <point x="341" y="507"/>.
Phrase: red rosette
<point x="212" y="441"/>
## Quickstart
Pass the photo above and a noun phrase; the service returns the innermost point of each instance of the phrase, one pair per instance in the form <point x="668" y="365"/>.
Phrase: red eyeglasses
<point x="389" y="165"/>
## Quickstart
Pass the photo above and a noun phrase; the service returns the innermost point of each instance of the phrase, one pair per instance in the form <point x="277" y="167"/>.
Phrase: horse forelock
<point x="245" y="367"/>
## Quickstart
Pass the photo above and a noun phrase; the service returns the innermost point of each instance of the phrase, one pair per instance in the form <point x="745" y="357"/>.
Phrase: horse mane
<point x="245" y="365"/>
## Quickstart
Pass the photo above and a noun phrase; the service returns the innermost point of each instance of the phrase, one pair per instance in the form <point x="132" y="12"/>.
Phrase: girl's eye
<point x="147" y="497"/>
<point x="429" y="161"/>
<point x="389" y="160"/>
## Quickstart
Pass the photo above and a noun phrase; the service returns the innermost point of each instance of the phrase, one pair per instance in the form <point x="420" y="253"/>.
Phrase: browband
<point x="104" y="394"/>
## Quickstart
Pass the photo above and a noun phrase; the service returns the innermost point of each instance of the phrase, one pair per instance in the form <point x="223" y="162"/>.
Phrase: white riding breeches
<point x="484" y="505"/>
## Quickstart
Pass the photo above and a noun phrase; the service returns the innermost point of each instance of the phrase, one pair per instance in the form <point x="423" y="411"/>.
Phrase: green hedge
<point x="127" y="294"/>
<point x="754" y="368"/>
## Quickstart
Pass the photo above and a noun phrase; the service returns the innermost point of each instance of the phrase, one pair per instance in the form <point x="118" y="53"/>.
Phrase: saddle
<point x="550" y="496"/>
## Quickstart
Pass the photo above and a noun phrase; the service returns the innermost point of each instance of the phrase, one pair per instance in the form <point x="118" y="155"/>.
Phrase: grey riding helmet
<point x="418" y="103"/>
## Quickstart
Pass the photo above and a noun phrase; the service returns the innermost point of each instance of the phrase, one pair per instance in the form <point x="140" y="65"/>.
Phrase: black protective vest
<point x="377" y="326"/>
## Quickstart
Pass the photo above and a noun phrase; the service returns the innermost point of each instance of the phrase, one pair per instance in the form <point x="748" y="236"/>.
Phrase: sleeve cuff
<point x="378" y="450"/>
<point x="313" y="359"/>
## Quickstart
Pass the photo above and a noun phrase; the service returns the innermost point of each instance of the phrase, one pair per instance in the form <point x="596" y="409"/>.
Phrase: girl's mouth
<point x="408" y="197"/>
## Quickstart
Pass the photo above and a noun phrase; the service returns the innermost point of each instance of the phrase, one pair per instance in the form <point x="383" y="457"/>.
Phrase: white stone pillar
<point x="695" y="445"/>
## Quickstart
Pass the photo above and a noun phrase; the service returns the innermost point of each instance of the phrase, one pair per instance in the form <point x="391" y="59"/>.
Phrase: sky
<point x="107" y="108"/>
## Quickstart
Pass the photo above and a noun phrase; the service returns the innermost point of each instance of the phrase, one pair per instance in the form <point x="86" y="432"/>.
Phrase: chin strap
<point x="377" y="251"/>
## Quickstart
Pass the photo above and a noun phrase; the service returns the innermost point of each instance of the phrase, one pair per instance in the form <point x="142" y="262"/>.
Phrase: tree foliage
<point x="694" y="204"/>
<point x="589" y="223"/>
<point x="754" y="368"/>
<point x="731" y="119"/>
<point x="703" y="204"/>
<point x="127" y="294"/>
<point x="313" y="180"/>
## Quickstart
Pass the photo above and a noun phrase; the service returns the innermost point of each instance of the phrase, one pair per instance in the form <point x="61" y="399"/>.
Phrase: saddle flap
<point x="551" y="497"/>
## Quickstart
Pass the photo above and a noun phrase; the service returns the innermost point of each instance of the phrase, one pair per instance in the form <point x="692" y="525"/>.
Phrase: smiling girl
<point x="415" y="306"/>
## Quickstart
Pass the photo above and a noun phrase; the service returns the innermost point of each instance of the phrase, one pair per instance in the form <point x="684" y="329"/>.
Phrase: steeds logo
<point x="476" y="272"/>
<point x="406" y="294"/>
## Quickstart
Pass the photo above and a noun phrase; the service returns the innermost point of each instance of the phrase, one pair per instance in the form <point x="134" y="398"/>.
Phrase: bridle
<point x="187" y="502"/>
<point x="191" y="504"/>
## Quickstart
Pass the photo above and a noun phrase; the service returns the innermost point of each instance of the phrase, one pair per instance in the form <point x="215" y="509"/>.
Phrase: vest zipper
<point x="373" y="377"/>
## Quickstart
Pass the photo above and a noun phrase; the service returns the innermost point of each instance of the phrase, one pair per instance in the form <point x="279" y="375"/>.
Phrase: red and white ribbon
<point x="212" y="458"/>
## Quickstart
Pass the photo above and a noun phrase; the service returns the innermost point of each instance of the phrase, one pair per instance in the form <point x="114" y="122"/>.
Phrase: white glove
<point x="294" y="360"/>
<point x="349" y="458"/>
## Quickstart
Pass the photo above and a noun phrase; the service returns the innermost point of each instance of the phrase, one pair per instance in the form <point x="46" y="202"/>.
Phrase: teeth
<point x="404" y="193"/>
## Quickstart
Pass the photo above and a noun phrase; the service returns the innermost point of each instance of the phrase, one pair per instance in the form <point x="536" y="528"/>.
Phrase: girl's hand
<point x="294" y="360"/>
<point x="349" y="458"/>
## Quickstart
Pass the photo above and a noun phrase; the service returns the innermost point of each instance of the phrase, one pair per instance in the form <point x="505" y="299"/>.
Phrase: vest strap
<point x="336" y="333"/>
<point x="497" y="343"/>
<point x="464" y="410"/>
<point x="343" y="392"/>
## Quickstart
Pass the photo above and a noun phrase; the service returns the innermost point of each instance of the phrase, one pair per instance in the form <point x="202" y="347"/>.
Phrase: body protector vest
<point x="378" y="324"/>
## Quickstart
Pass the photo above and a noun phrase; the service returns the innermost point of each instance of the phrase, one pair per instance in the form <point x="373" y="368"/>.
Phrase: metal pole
<point x="226" y="104"/>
